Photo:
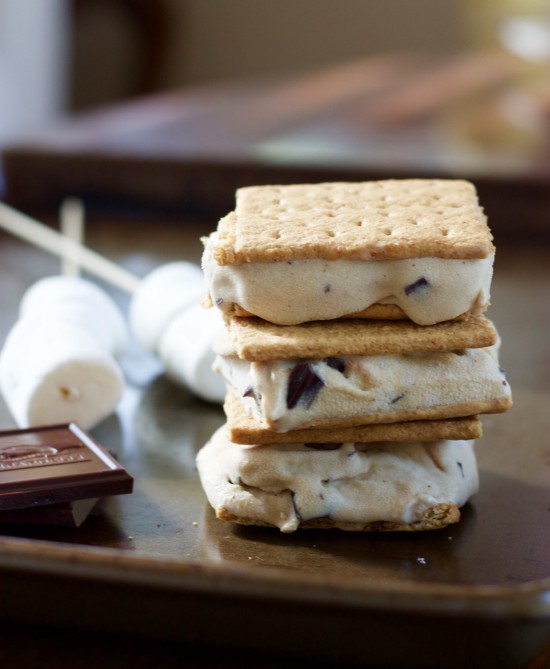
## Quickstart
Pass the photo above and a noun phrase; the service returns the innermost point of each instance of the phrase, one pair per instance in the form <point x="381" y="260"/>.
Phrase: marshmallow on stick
<point x="186" y="349"/>
<point x="158" y="307"/>
<point x="166" y="318"/>
<point x="58" y="361"/>
<point x="54" y="371"/>
<point x="82" y="303"/>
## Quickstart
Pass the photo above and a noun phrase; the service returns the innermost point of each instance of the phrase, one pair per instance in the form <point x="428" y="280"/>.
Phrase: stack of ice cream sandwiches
<point x="357" y="355"/>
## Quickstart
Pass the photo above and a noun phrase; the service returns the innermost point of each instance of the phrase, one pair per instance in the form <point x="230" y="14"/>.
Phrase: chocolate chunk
<point x="326" y="288"/>
<point x="303" y="385"/>
<point x="250" y="392"/>
<point x="336" y="363"/>
<point x="56" y="464"/>
<point x="461" y="468"/>
<point x="397" y="398"/>
<point x="324" y="447"/>
<point x="419" y="284"/>
<point x="295" y="506"/>
<point x="219" y="301"/>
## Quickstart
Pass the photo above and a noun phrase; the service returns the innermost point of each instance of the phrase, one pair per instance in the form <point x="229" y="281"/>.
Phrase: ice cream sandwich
<point x="357" y="356"/>
<point x="415" y="248"/>
<point x="351" y="486"/>
<point x="336" y="391"/>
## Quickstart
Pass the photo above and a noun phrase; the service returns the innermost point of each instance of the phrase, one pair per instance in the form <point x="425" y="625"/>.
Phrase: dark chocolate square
<point x="55" y="464"/>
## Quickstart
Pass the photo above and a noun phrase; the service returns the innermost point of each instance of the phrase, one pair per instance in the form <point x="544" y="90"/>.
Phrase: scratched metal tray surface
<point x="158" y="564"/>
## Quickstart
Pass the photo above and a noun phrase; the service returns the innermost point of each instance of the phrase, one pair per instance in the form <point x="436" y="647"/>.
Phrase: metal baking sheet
<point x="157" y="563"/>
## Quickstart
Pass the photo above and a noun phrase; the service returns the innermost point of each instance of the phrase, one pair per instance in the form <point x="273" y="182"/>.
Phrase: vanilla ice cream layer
<point x="428" y="290"/>
<point x="287" y="484"/>
<point x="350" y="390"/>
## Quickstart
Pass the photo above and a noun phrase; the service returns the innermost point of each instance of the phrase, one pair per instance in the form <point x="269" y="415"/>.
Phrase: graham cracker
<point x="378" y="220"/>
<point x="434" y="518"/>
<point x="255" y="339"/>
<point x="243" y="429"/>
<point x="384" y="312"/>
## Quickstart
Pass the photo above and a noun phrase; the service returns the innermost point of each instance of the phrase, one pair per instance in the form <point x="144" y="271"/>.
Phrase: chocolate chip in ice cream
<point x="303" y="385"/>
<point x="295" y="506"/>
<point x="419" y="284"/>
<point x="336" y="363"/>
<point x="250" y="392"/>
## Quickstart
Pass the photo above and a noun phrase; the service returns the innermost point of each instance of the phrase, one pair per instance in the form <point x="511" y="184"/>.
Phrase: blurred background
<point x="64" y="55"/>
<point x="322" y="88"/>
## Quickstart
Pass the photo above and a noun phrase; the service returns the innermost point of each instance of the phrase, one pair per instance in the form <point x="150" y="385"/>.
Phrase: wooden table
<point x="152" y="579"/>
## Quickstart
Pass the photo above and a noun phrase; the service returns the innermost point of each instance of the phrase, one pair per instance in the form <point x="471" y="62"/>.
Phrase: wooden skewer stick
<point x="54" y="242"/>
<point x="72" y="227"/>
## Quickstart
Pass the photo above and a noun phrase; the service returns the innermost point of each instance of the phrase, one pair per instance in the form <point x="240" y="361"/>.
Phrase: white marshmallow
<point x="161" y="296"/>
<point x="53" y="371"/>
<point x="186" y="351"/>
<point x="81" y="302"/>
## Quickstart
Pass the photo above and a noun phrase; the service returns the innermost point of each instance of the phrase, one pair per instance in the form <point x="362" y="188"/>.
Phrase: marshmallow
<point x="53" y="371"/>
<point x="187" y="354"/>
<point x="82" y="303"/>
<point x="58" y="361"/>
<point x="163" y="294"/>
<point x="167" y="319"/>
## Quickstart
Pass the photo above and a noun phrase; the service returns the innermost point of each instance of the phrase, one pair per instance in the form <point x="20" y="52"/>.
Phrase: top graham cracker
<point x="378" y="220"/>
